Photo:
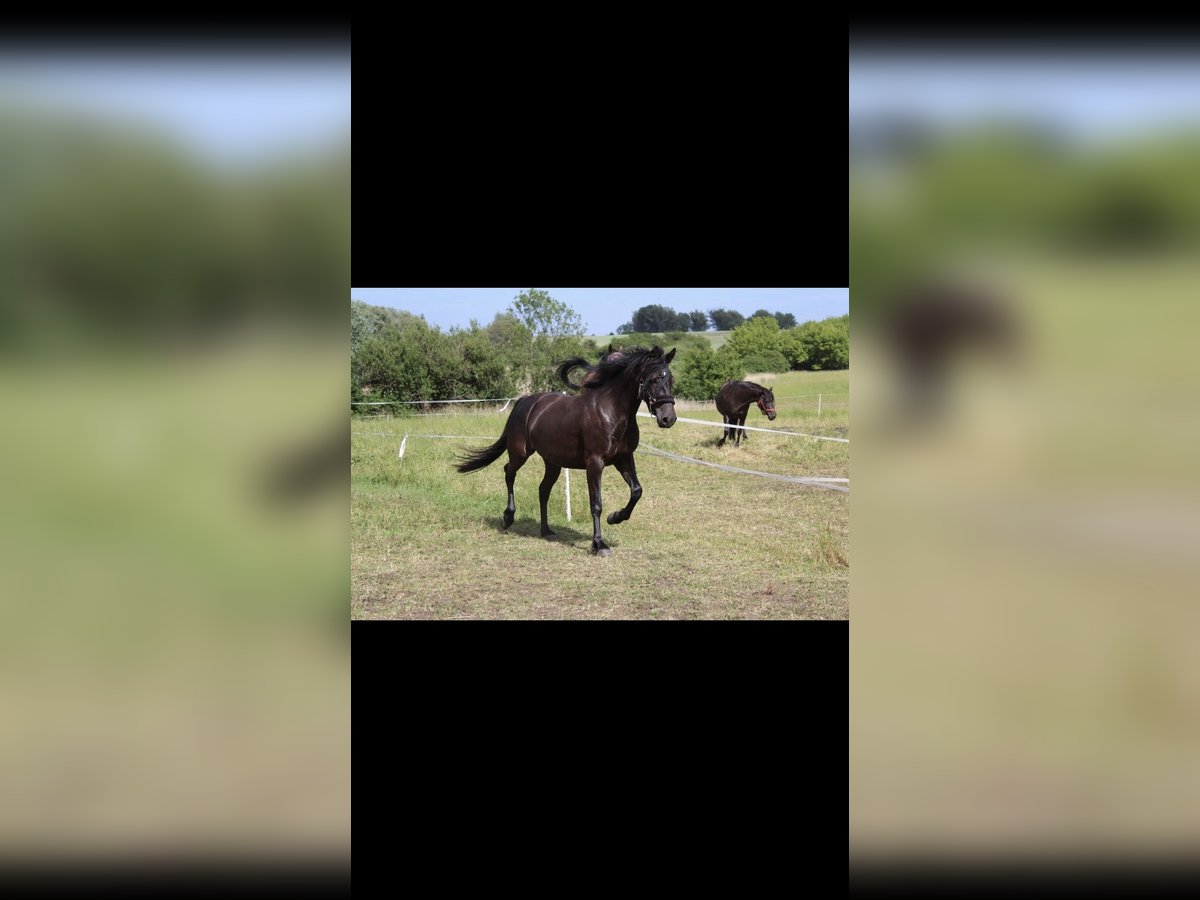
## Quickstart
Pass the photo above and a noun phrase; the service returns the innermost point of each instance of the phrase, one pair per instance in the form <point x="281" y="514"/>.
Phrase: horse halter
<point x="764" y="407"/>
<point x="643" y="393"/>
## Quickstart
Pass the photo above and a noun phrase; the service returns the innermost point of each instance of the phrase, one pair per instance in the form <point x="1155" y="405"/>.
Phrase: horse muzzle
<point x="664" y="414"/>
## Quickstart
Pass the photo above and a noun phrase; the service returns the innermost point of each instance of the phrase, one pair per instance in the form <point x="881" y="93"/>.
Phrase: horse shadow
<point x="532" y="528"/>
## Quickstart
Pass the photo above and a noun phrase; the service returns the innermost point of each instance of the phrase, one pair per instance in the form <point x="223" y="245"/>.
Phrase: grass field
<point x="426" y="540"/>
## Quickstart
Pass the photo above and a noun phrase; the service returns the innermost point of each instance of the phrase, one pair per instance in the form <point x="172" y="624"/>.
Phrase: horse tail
<point x="478" y="459"/>
<point x="575" y="362"/>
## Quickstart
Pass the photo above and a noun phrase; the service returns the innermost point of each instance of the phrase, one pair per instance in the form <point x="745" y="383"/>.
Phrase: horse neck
<point x="626" y="392"/>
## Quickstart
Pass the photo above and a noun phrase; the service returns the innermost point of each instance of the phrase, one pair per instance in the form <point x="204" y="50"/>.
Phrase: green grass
<point x="426" y="540"/>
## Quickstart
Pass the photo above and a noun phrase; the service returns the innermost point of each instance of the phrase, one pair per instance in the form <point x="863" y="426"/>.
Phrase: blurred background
<point x="1024" y="271"/>
<point x="174" y="259"/>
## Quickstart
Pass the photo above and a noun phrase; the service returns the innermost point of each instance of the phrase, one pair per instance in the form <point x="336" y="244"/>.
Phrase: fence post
<point x="402" y="443"/>
<point x="568" y="489"/>
<point x="818" y="406"/>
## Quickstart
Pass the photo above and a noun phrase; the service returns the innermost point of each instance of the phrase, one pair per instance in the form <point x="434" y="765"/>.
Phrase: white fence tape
<point x="408" y="402"/>
<point x="408" y="434"/>
<point x="829" y="484"/>
<point x="819" y="437"/>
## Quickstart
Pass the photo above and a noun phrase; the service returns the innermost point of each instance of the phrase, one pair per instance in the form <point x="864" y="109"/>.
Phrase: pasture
<point x="703" y="543"/>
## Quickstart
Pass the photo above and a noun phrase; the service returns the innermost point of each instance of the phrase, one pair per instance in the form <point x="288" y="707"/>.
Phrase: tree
<point x="514" y="343"/>
<point x="556" y="332"/>
<point x="406" y="359"/>
<point x="699" y="320"/>
<point x="794" y="349"/>
<point x="762" y="312"/>
<point x="366" y="320"/>
<point x="655" y="318"/>
<point x="785" y="320"/>
<point x="758" y="335"/>
<point x="399" y="363"/>
<point x="543" y="315"/>
<point x="725" y="319"/>
<point x="483" y="370"/>
<point x="820" y="345"/>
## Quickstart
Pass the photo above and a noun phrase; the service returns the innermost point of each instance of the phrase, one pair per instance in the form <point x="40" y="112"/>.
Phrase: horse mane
<point x="590" y="372"/>
<point x="613" y="365"/>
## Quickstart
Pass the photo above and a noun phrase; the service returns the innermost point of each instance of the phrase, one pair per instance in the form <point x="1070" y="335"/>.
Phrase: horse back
<point x="729" y="397"/>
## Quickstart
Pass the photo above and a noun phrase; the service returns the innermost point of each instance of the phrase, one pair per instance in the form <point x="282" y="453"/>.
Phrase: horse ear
<point x="671" y="355"/>
<point x="656" y="350"/>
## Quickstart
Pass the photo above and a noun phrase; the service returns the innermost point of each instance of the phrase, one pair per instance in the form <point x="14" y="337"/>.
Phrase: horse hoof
<point x="613" y="520"/>
<point x="602" y="551"/>
<point x="549" y="534"/>
<point x="507" y="520"/>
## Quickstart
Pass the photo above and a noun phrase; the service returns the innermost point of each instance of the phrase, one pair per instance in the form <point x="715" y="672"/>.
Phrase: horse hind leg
<point x="551" y="476"/>
<point x="510" y="475"/>
<point x="725" y="433"/>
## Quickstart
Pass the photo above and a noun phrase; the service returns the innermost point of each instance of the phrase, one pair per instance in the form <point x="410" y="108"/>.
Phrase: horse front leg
<point x="595" y="468"/>
<point x="741" y="435"/>
<point x="628" y="471"/>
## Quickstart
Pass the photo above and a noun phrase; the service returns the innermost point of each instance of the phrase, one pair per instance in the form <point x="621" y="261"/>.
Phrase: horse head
<point x="766" y="402"/>
<point x="656" y="385"/>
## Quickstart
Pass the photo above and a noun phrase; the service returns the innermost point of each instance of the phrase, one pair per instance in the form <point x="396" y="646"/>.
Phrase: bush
<point x="768" y="361"/>
<point x="758" y="335"/>
<point x="794" y="349"/>
<point x="699" y="372"/>
<point x="820" y="345"/>
<point x="401" y="357"/>
<point x="637" y="339"/>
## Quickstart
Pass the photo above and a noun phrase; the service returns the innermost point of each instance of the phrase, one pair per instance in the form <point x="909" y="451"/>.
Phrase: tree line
<point x="395" y="355"/>
<point x="658" y="318"/>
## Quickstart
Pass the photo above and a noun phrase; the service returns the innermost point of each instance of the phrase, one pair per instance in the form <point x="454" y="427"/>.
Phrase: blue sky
<point x="233" y="108"/>
<point x="604" y="309"/>
<point x="1092" y="97"/>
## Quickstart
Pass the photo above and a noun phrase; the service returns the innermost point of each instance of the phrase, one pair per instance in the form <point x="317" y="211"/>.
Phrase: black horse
<point x="595" y="429"/>
<point x="733" y="402"/>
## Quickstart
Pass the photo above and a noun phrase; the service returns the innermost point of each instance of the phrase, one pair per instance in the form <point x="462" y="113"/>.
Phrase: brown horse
<point x="595" y="429"/>
<point x="733" y="402"/>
